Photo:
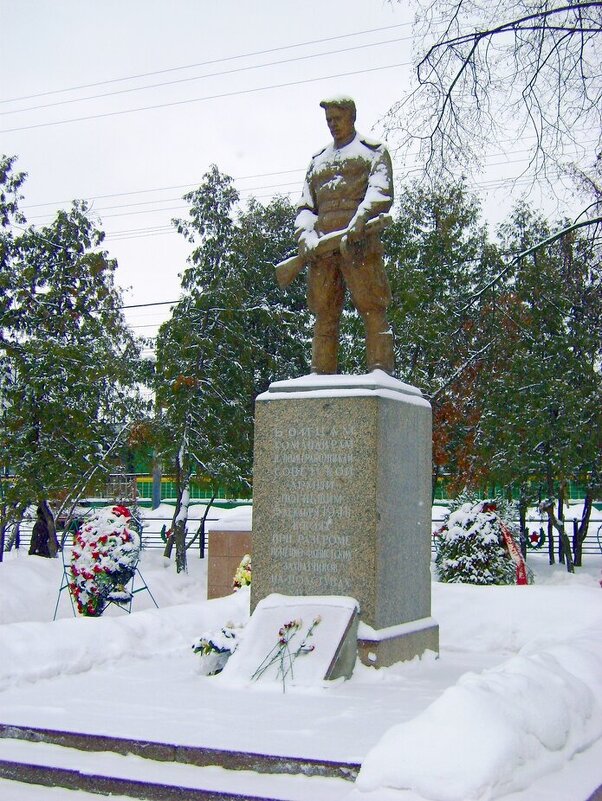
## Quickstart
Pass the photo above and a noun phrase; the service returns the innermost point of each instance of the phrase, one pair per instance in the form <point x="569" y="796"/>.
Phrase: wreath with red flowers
<point x="103" y="560"/>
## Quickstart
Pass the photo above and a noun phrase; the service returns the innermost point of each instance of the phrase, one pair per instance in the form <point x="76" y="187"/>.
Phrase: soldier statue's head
<point x="340" y="118"/>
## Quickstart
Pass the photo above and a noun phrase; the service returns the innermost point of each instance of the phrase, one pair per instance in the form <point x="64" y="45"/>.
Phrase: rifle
<point x="289" y="269"/>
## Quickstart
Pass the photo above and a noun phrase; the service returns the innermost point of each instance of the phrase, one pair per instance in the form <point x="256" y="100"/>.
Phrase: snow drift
<point x="495" y="732"/>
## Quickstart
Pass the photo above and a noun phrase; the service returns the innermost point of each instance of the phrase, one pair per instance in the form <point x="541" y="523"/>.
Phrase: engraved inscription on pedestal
<point x="312" y="509"/>
<point x="311" y="471"/>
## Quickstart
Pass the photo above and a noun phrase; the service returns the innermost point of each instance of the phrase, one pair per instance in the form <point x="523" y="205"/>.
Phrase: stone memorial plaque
<point x="296" y="641"/>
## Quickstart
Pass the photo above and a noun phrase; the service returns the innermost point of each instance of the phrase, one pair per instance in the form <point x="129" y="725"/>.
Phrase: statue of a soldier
<point x="348" y="185"/>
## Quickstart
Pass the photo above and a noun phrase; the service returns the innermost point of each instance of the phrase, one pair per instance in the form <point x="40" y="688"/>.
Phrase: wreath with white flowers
<point x="103" y="560"/>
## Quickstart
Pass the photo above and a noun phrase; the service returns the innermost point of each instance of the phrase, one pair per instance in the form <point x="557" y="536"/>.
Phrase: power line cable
<point x="141" y="233"/>
<point x="209" y="63"/>
<point x="219" y="96"/>
<point x="208" y="75"/>
<point x="195" y="184"/>
<point x="244" y="192"/>
<point x="160" y="200"/>
<point x="161" y="188"/>
<point x="145" y="305"/>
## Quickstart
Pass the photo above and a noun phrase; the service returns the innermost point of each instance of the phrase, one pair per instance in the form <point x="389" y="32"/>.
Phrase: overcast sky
<point x="240" y="87"/>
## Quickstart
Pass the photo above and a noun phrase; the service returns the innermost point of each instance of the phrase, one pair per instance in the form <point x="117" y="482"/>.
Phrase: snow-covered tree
<point x="67" y="359"/>
<point x="542" y="420"/>
<point x="472" y="546"/>
<point x="231" y="333"/>
<point x="10" y="195"/>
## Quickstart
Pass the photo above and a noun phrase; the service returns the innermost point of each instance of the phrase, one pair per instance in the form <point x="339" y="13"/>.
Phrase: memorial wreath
<point x="104" y="559"/>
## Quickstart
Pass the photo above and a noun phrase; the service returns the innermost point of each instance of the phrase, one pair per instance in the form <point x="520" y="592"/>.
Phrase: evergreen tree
<point x="10" y="195"/>
<point x="231" y="333"/>
<point x="543" y="408"/>
<point x="470" y="546"/>
<point x="67" y="360"/>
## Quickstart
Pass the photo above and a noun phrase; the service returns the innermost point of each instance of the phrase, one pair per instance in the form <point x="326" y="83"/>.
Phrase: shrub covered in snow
<point x="103" y="560"/>
<point x="476" y="546"/>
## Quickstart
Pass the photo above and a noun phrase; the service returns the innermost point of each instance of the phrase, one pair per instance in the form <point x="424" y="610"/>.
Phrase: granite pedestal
<point x="342" y="504"/>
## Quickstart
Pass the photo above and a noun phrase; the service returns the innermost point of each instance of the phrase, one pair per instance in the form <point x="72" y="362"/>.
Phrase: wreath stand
<point x="126" y="606"/>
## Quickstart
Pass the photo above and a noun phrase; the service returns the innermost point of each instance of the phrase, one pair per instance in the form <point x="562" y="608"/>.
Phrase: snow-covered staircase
<point x="164" y="772"/>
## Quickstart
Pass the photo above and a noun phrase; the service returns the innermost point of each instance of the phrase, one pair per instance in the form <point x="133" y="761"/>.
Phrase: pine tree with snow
<point x="68" y="362"/>
<point x="230" y="335"/>
<point x="471" y="547"/>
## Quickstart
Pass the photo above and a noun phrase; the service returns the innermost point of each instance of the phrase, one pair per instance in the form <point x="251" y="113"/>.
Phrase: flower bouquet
<point x="103" y="560"/>
<point x="284" y="653"/>
<point x="215" y="649"/>
<point x="242" y="577"/>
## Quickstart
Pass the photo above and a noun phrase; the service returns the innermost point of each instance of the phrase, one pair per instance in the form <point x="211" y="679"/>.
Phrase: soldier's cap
<point x="339" y="101"/>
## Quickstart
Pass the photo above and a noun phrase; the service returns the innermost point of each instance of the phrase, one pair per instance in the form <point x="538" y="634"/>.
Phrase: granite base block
<point x="226" y="550"/>
<point x="342" y="494"/>
<point x="397" y="643"/>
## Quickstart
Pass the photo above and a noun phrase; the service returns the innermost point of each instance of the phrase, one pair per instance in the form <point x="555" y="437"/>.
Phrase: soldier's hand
<point x="357" y="226"/>
<point x="307" y="245"/>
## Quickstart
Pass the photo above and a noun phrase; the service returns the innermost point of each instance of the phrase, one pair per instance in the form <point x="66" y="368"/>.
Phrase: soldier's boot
<point x="325" y="348"/>
<point x="379" y="343"/>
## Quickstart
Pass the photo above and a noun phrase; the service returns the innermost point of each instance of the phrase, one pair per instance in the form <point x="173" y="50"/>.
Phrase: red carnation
<point x="123" y="511"/>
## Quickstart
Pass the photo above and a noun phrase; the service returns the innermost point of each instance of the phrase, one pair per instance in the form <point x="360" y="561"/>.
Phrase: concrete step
<point x="164" y="772"/>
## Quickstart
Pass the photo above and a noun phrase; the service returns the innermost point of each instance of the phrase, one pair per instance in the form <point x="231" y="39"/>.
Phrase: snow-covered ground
<point x="511" y="709"/>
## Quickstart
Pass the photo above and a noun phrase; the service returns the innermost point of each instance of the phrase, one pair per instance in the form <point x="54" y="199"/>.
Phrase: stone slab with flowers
<point x="298" y="641"/>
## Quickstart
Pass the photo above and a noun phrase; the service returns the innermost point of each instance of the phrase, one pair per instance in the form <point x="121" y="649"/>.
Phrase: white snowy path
<point x="135" y="676"/>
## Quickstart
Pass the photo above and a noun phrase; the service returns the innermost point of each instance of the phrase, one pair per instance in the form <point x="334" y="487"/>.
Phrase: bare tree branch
<point x="503" y="69"/>
<point x="523" y="254"/>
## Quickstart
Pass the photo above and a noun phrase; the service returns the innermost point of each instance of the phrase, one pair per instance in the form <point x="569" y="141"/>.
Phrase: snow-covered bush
<point x="103" y="560"/>
<point x="215" y="648"/>
<point x="242" y="577"/>
<point x="476" y="546"/>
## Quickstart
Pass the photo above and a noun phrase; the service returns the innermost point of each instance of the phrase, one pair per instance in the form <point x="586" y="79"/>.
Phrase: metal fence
<point x="152" y="527"/>
<point x="151" y="533"/>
